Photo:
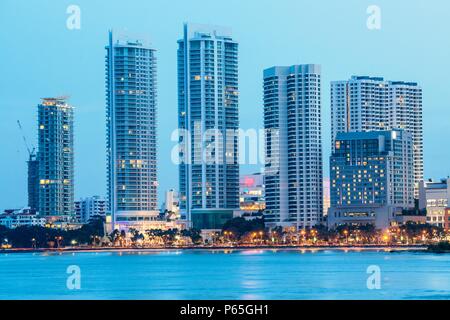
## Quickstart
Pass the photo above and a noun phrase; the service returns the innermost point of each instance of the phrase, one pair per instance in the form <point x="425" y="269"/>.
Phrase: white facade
<point x="207" y="114"/>
<point x="292" y="120"/>
<point x="434" y="196"/>
<point x="326" y="196"/>
<point x="20" y="218"/>
<point x="90" y="207"/>
<point x="131" y="132"/>
<point x="372" y="103"/>
<point x="171" y="203"/>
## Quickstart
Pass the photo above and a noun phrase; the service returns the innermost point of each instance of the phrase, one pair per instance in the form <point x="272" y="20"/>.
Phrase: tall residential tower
<point x="55" y="158"/>
<point x="371" y="103"/>
<point x="208" y="120"/>
<point x="292" y="120"/>
<point x="131" y="131"/>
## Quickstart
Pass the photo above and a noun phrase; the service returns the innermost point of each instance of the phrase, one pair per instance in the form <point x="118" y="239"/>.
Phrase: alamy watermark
<point x="73" y="281"/>
<point x="374" y="279"/>
<point x="230" y="146"/>
<point x="73" y="21"/>
<point x="374" y="20"/>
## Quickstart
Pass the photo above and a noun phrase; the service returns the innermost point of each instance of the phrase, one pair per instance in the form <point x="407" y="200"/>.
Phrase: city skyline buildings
<point x="366" y="103"/>
<point x="204" y="31"/>
<point x="131" y="131"/>
<point x="207" y="112"/>
<point x="55" y="157"/>
<point x="88" y="100"/>
<point x="372" y="177"/>
<point x="252" y="193"/>
<point x="293" y="168"/>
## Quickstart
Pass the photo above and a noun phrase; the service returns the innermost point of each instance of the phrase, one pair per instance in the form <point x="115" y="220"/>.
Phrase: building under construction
<point x="33" y="182"/>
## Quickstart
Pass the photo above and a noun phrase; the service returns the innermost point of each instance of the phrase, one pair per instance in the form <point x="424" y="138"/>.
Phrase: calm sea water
<point x="240" y="274"/>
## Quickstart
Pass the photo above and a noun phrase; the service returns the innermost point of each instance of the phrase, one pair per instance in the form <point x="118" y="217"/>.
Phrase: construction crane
<point x="31" y="152"/>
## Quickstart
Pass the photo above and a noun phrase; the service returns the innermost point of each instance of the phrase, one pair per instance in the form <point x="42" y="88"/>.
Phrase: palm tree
<point x="114" y="236"/>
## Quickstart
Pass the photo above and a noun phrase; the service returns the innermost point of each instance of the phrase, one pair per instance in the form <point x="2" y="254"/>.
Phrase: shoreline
<point x="402" y="248"/>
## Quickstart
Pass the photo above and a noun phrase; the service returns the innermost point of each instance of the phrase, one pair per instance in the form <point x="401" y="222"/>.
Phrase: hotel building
<point x="371" y="103"/>
<point x="371" y="177"/>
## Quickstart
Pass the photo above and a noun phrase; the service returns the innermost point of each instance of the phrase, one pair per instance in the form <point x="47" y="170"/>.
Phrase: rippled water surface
<point x="239" y="274"/>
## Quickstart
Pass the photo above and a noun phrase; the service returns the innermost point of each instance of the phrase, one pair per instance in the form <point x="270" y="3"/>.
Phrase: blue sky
<point x="40" y="57"/>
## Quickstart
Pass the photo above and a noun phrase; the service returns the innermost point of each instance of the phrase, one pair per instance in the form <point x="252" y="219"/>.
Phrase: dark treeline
<point x="41" y="237"/>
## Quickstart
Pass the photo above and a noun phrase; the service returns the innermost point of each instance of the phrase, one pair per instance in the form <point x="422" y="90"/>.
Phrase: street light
<point x="346" y="236"/>
<point x="303" y="233"/>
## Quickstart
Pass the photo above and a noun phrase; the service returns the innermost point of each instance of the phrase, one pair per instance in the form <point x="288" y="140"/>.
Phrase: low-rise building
<point x="252" y="215"/>
<point x="251" y="193"/>
<point x="166" y="225"/>
<point x="212" y="219"/>
<point x="159" y="223"/>
<point x="434" y="196"/>
<point x="406" y="218"/>
<point x="447" y="219"/>
<point x="87" y="208"/>
<point x="13" y="218"/>
<point x="171" y="204"/>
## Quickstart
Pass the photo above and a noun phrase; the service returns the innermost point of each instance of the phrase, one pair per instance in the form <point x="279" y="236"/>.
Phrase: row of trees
<point x="92" y="234"/>
<point x="239" y="230"/>
<point x="41" y="237"/>
<point x="235" y="231"/>
<point x="154" y="237"/>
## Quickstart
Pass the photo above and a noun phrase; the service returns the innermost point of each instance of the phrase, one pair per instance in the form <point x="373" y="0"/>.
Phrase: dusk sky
<point x="41" y="57"/>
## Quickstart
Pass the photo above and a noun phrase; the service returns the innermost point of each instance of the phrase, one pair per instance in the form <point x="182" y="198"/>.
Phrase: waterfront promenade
<point x="419" y="247"/>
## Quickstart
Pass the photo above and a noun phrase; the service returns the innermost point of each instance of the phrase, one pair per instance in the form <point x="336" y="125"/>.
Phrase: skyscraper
<point x="371" y="177"/>
<point x="56" y="157"/>
<point x="371" y="103"/>
<point x="208" y="120"/>
<point x="131" y="131"/>
<point x="292" y="120"/>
